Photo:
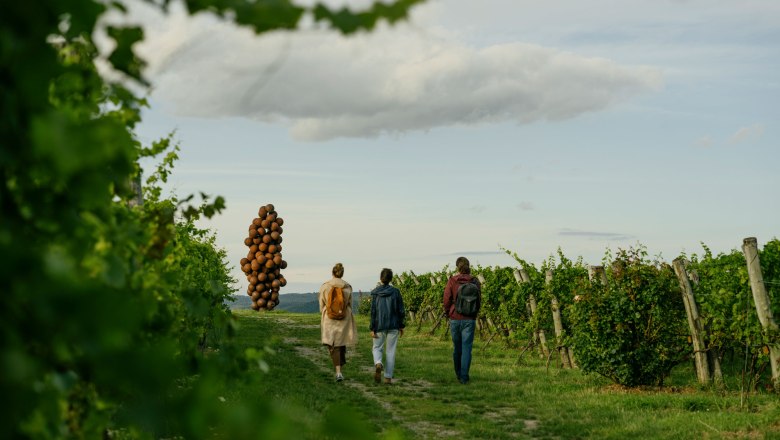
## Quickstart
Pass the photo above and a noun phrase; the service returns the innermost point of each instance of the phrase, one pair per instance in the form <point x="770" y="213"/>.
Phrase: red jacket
<point x="451" y="293"/>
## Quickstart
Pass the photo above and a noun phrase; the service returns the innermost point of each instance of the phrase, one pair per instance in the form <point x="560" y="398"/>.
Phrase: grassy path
<point x="503" y="401"/>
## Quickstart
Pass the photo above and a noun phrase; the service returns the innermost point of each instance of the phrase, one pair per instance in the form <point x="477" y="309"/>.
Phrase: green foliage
<point x="113" y="323"/>
<point x="631" y="330"/>
<point x="723" y="293"/>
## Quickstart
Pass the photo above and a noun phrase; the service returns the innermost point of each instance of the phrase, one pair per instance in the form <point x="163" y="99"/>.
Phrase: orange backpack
<point x="335" y="304"/>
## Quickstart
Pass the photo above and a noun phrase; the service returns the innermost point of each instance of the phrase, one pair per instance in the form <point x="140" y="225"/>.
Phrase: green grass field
<point x="505" y="400"/>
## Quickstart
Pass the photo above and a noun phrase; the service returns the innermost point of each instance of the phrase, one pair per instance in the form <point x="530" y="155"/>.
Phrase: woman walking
<point x="337" y="323"/>
<point x="387" y="324"/>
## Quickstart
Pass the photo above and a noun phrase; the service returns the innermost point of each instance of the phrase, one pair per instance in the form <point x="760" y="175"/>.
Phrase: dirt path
<point x="317" y="356"/>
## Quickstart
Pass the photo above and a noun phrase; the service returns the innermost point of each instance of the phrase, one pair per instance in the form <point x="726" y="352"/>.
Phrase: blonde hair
<point x="338" y="270"/>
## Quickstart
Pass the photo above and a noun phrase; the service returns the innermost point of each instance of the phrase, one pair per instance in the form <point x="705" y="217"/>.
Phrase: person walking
<point x="462" y="313"/>
<point x="337" y="322"/>
<point x="386" y="325"/>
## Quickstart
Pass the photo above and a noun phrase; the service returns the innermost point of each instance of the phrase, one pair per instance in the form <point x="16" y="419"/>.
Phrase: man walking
<point x="462" y="300"/>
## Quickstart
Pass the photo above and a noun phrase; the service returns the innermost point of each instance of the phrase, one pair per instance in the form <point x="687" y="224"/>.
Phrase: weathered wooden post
<point x="763" y="306"/>
<point x="597" y="272"/>
<point x="137" y="188"/>
<point x="694" y="322"/>
<point x="558" y="323"/>
<point x="521" y="276"/>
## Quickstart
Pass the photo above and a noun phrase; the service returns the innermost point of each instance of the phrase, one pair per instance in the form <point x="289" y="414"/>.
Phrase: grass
<point x="505" y="400"/>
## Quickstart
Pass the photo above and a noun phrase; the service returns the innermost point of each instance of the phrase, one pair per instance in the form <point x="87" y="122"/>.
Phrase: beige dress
<point x="337" y="332"/>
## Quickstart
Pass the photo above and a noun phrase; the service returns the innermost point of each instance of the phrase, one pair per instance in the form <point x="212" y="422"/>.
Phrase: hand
<point x="373" y="334"/>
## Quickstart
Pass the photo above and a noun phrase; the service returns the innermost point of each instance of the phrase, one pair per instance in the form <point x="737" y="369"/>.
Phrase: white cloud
<point x="747" y="133"/>
<point x="394" y="80"/>
<point x="526" y="206"/>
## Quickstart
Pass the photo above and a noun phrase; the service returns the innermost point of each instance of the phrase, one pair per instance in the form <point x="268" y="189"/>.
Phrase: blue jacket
<point x="387" y="309"/>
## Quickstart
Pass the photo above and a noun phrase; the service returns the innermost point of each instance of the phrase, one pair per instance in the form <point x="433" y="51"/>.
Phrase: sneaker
<point x="339" y="377"/>
<point x="378" y="373"/>
<point x="388" y="381"/>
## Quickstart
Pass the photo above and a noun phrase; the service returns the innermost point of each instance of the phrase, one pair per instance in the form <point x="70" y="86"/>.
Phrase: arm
<point x="448" y="298"/>
<point x="372" y="323"/>
<point x="401" y="310"/>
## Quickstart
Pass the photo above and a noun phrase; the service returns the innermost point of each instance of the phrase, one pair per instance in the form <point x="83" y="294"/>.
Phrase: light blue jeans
<point x="388" y="339"/>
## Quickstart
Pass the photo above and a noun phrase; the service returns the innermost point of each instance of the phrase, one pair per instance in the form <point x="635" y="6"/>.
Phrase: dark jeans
<point x="462" y="340"/>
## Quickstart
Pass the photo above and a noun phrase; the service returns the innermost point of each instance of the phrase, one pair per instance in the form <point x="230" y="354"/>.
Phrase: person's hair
<point x="462" y="263"/>
<point x="386" y="276"/>
<point x="338" y="270"/>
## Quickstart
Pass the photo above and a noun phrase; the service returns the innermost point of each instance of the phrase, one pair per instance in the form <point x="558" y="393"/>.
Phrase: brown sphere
<point x="270" y="277"/>
<point x="250" y="289"/>
<point x="262" y="247"/>
<point x="258" y="240"/>
<point x="252" y="233"/>
<point x="266" y="223"/>
<point x="279" y="221"/>
<point x="257" y="222"/>
<point x="262" y="212"/>
<point x="269" y="264"/>
<point x="272" y="216"/>
<point x="282" y="281"/>
<point x="275" y="284"/>
<point x="266" y="239"/>
<point x="262" y="276"/>
<point x="246" y="268"/>
<point x="270" y="305"/>
<point x="255" y="296"/>
<point x="255" y="265"/>
<point x="280" y="230"/>
<point x="260" y="258"/>
<point x="253" y="249"/>
<point x="253" y="280"/>
<point x="283" y="264"/>
<point x="279" y="241"/>
<point x="265" y="294"/>
<point x="274" y="227"/>
<point x="272" y="249"/>
<point x="260" y="303"/>
<point x="275" y="235"/>
<point x="278" y="259"/>
<point x="269" y="207"/>
<point x="248" y="241"/>
<point x="275" y="296"/>
<point x="244" y="261"/>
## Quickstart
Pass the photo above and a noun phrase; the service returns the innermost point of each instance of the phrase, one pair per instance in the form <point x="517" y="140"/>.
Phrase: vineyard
<point x="631" y="319"/>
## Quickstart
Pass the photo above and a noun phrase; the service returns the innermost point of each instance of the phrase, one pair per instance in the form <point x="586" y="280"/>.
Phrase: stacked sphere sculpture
<point x="263" y="264"/>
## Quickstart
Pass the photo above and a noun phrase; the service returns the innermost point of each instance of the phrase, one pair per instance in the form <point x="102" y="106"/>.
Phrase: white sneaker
<point x="339" y="377"/>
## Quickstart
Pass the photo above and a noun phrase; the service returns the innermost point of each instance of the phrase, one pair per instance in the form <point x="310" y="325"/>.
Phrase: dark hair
<point x="386" y="276"/>
<point x="338" y="270"/>
<point x="462" y="263"/>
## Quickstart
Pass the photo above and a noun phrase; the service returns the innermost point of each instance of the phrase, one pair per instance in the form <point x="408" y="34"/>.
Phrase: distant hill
<point x="292" y="302"/>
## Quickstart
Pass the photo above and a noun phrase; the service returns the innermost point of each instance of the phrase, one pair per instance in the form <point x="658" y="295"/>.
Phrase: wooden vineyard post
<point x="597" y="272"/>
<point x="558" y="323"/>
<point x="763" y="306"/>
<point x="521" y="276"/>
<point x="694" y="322"/>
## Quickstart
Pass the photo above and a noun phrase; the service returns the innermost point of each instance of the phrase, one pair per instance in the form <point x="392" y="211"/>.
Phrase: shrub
<point x="633" y="329"/>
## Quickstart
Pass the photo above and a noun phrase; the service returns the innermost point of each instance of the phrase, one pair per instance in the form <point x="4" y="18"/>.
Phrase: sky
<point x="475" y="127"/>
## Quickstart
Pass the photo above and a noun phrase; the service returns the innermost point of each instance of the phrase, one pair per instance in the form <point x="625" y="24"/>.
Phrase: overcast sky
<point x="586" y="125"/>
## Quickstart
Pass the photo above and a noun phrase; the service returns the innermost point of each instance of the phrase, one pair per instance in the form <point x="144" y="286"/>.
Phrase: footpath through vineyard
<point x="424" y="401"/>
